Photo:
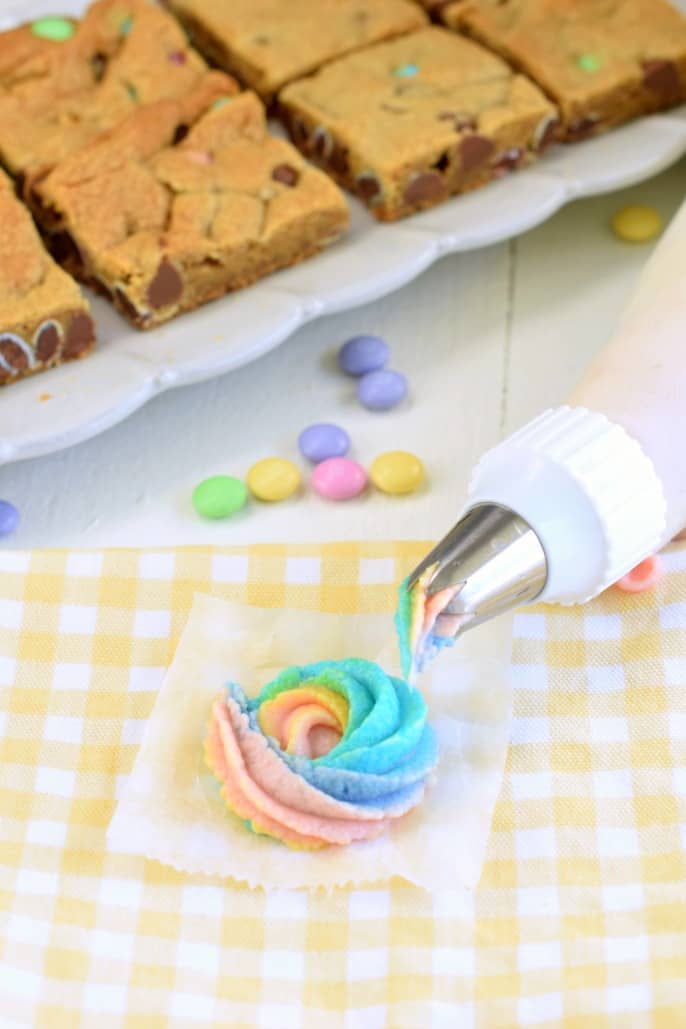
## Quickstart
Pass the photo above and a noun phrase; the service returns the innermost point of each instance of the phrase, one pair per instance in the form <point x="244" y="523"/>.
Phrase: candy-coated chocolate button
<point x="397" y="472"/>
<point x="643" y="577"/>
<point x="219" y="497"/>
<point x="363" y="354"/>
<point x="406" y="71"/>
<point x="339" y="478"/>
<point x="637" y="223"/>
<point x="321" y="441"/>
<point x="273" y="479"/>
<point x="9" y="518"/>
<point x="588" y="62"/>
<point x="57" y="30"/>
<point x="380" y="391"/>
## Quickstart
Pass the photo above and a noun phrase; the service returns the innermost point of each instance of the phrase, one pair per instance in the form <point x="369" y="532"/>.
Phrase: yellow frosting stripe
<point x="301" y="721"/>
<point x="273" y="713"/>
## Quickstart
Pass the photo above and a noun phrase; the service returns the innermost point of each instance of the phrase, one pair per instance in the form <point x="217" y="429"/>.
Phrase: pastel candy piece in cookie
<point x="57" y="30"/>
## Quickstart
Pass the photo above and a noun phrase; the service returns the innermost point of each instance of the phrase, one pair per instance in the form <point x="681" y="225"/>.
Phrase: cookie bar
<point x="431" y="114"/>
<point x="124" y="53"/>
<point x="44" y="319"/>
<point x="187" y="200"/>
<point x="601" y="61"/>
<point x="267" y="43"/>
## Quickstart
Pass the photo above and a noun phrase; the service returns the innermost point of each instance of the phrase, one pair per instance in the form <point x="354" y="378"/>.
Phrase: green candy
<point x="126" y="26"/>
<point x="219" y="497"/>
<point x="588" y="62"/>
<point x="57" y="30"/>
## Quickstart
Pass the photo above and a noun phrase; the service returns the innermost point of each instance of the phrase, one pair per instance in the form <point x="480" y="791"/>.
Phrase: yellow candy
<point x="273" y="479"/>
<point x="637" y="223"/>
<point x="397" y="472"/>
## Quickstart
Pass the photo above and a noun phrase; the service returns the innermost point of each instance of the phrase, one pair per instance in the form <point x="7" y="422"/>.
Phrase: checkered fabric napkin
<point x="580" y="917"/>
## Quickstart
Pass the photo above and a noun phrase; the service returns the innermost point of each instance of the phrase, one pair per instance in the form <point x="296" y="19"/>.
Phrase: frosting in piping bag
<point x="423" y="628"/>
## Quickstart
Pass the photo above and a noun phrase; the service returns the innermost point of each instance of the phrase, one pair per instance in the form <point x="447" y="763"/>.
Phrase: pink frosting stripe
<point x="217" y="762"/>
<point x="278" y="788"/>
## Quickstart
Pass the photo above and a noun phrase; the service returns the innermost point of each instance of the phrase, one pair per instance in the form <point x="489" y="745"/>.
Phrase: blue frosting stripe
<point x="387" y="751"/>
<point x="385" y="755"/>
<point x="380" y="721"/>
<point x="354" y="786"/>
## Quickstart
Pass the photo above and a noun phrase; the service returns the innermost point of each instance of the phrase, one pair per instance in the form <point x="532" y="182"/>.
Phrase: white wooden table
<point x="486" y="339"/>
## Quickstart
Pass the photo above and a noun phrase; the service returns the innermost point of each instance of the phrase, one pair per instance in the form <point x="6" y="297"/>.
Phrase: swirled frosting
<point x="421" y="623"/>
<point x="328" y="753"/>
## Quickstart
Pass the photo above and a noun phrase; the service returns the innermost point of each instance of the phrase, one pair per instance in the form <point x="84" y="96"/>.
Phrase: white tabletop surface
<point x="486" y="339"/>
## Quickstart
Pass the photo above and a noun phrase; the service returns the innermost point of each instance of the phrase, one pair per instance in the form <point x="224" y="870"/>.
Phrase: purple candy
<point x="9" y="518"/>
<point x="363" y="354"/>
<point x="320" y="442"/>
<point x="379" y="391"/>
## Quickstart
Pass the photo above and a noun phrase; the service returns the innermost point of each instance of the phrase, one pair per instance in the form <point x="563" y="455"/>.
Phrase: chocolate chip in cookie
<point x="475" y="151"/>
<point x="167" y="286"/>
<point x="286" y="174"/>
<point x="368" y="186"/>
<point x="79" y="338"/>
<point x="47" y="342"/>
<point x="13" y="353"/>
<point x="425" y="187"/>
<point x="662" y="77"/>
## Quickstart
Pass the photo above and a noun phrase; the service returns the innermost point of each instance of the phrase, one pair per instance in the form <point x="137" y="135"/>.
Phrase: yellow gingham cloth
<point x="580" y="920"/>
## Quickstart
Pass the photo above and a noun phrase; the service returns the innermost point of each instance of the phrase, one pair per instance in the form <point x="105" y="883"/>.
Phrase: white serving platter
<point x="67" y="405"/>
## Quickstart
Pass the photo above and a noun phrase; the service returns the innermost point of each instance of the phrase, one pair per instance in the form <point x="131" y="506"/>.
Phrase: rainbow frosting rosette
<point x="328" y="753"/>
<point x="423" y="627"/>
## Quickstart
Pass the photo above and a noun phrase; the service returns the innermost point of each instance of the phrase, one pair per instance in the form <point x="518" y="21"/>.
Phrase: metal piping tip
<point x="494" y="560"/>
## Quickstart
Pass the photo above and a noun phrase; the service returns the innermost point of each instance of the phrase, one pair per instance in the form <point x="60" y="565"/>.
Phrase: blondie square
<point x="267" y="43"/>
<point x="186" y="200"/>
<point x="430" y="114"/>
<point x="53" y="101"/>
<point x="44" y="319"/>
<point x="601" y="61"/>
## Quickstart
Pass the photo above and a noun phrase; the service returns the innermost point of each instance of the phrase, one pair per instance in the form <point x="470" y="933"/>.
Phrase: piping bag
<point x="582" y="494"/>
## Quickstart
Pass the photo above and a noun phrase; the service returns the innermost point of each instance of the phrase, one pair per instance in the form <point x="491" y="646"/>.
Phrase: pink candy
<point x="199" y="156"/>
<point x="643" y="577"/>
<point x="339" y="478"/>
